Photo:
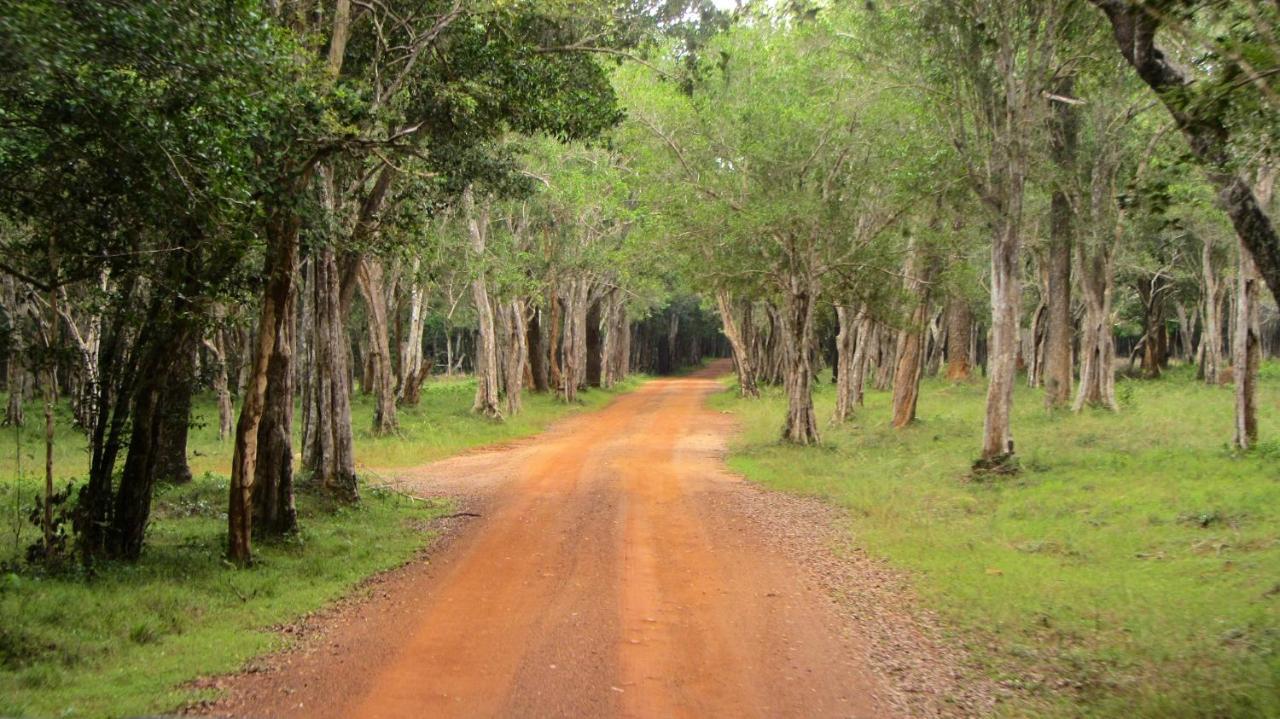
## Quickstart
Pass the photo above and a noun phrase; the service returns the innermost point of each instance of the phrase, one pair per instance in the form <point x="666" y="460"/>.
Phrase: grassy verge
<point x="1131" y="569"/>
<point x="124" y="641"/>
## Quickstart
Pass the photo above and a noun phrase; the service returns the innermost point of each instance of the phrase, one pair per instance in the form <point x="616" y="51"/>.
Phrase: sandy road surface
<point x="606" y="577"/>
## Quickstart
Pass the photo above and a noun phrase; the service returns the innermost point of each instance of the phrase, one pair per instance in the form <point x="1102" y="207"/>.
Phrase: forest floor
<point x="1131" y="569"/>
<point x="615" y="569"/>
<point x="128" y="639"/>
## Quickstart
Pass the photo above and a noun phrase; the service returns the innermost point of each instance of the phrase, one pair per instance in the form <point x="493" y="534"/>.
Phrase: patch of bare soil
<point x="615" y="569"/>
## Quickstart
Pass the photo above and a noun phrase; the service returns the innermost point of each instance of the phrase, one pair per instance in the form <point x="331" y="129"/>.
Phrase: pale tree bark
<point x="933" y="354"/>
<point x="221" y="383"/>
<point x="1186" y="331"/>
<point x="327" y="443"/>
<point x="801" y="293"/>
<point x="867" y="340"/>
<point x="1211" y="360"/>
<point x="487" y="401"/>
<point x="413" y="365"/>
<point x="555" y="327"/>
<point x="959" y="331"/>
<point x="372" y="280"/>
<point x="1247" y="348"/>
<point x="997" y="432"/>
<point x="515" y="353"/>
<point x="1058" y="335"/>
<point x="909" y="357"/>
<point x="616" y="339"/>
<point x="573" y="360"/>
<point x="1097" y="344"/>
<point x="743" y="362"/>
<point x="848" y="342"/>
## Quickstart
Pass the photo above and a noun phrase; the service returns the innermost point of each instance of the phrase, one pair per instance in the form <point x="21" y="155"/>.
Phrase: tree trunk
<point x="515" y="354"/>
<point x="742" y="360"/>
<point x="909" y="357"/>
<point x="1205" y="127"/>
<point x="848" y="342"/>
<point x="221" y="383"/>
<point x="1211" y="335"/>
<point x="1097" y="344"/>
<point x="412" y="361"/>
<point x="555" y="325"/>
<point x="997" y="434"/>
<point x="801" y="426"/>
<point x="327" y="442"/>
<point x="1057" y="358"/>
<point x="274" y="513"/>
<point x="1247" y="350"/>
<point x="594" y="345"/>
<point x="1152" y="291"/>
<point x="573" y="358"/>
<point x="910" y="365"/>
<point x="273" y="344"/>
<point x="131" y="509"/>
<point x="959" y="330"/>
<point x="175" y="419"/>
<point x="1186" y="332"/>
<point x="15" y="372"/>
<point x="372" y="282"/>
<point x="537" y="343"/>
<point x="486" y="364"/>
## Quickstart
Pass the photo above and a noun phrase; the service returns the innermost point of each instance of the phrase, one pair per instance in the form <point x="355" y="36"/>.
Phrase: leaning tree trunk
<point x="801" y="426"/>
<point x="372" y="282"/>
<point x="742" y="360"/>
<point x="909" y="358"/>
<point x="327" y="443"/>
<point x="1205" y="126"/>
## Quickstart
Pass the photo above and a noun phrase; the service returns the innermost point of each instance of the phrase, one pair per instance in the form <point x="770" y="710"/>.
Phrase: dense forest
<point x="291" y="208"/>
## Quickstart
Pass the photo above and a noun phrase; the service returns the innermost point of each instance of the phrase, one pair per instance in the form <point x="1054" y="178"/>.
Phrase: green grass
<point x="1131" y="569"/>
<point x="124" y="641"/>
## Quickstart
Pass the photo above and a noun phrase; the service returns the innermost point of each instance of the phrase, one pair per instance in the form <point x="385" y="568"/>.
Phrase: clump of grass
<point x="1128" y="570"/>
<point x="120" y="642"/>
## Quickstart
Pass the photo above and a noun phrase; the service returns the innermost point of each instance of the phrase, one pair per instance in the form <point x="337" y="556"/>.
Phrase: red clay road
<point x="606" y="577"/>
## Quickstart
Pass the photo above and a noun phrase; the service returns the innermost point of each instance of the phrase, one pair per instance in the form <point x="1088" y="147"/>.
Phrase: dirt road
<point x="606" y="577"/>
